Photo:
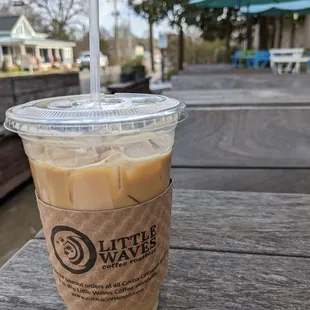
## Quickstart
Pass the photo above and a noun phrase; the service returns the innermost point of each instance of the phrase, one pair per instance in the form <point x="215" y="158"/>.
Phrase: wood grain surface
<point x="295" y="181"/>
<point x="6" y="88"/>
<point x="249" y="137"/>
<point x="239" y="80"/>
<point x="196" y="280"/>
<point x="243" y="97"/>
<point x="273" y="224"/>
<point x="14" y="166"/>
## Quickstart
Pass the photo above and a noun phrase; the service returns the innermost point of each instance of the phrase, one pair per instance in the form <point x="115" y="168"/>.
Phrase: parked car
<point x="84" y="61"/>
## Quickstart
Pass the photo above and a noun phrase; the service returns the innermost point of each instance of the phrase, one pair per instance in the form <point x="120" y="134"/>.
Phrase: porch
<point x="35" y="56"/>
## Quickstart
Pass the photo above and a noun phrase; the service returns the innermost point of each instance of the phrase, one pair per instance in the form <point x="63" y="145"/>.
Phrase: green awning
<point x="234" y="3"/>
<point x="301" y="7"/>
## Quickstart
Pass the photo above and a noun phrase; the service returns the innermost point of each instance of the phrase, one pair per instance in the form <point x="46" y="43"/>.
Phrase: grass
<point x="27" y="73"/>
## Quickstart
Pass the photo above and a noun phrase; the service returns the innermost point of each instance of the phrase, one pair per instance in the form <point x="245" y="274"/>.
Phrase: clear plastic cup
<point x="86" y="156"/>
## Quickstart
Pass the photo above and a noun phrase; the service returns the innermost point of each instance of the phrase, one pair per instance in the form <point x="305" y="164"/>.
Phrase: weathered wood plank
<point x="11" y="150"/>
<point x="22" y="174"/>
<point x="237" y="80"/>
<point x="5" y="87"/>
<point x="71" y="79"/>
<point x="240" y="222"/>
<point x="5" y="103"/>
<point x="14" y="166"/>
<point x="210" y="68"/>
<point x="55" y="81"/>
<point x="208" y="280"/>
<point x="243" y="97"/>
<point x="249" y="137"/>
<point x="196" y="280"/>
<point x="295" y="181"/>
<point x="26" y="85"/>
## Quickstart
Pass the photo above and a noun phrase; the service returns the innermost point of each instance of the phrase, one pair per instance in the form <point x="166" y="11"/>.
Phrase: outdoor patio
<point x="241" y="175"/>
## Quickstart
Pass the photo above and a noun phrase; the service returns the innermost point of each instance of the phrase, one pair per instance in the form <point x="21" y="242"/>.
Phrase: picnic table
<point x="229" y="250"/>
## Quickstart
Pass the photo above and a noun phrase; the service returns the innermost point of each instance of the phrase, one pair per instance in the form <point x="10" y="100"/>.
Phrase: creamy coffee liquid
<point x="116" y="182"/>
<point x="111" y="154"/>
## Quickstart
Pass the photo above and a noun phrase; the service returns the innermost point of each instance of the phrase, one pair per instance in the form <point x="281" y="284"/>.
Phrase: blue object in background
<point x="237" y="59"/>
<point x="259" y="60"/>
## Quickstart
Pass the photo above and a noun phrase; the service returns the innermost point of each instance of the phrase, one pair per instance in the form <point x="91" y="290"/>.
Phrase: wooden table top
<point x="241" y="98"/>
<point x="229" y="250"/>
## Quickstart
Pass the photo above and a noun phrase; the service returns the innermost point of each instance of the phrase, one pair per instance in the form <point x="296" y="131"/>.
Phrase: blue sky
<point x="139" y="25"/>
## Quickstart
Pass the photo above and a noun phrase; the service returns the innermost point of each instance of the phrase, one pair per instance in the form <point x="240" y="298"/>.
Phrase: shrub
<point x="14" y="68"/>
<point x="128" y="67"/>
<point x="198" y="51"/>
<point x="171" y="72"/>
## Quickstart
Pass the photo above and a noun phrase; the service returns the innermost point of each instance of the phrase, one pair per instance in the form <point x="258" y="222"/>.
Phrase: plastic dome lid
<point x="78" y="115"/>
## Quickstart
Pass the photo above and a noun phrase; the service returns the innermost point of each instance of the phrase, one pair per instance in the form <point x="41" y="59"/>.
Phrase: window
<point x="29" y="51"/>
<point x="44" y="54"/>
<point x="6" y="50"/>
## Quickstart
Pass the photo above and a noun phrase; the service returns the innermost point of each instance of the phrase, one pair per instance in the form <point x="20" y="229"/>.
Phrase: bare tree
<point x="61" y="17"/>
<point x="8" y="7"/>
<point x="5" y="8"/>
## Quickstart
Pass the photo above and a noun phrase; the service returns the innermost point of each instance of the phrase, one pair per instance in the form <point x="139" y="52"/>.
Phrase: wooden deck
<point x="228" y="251"/>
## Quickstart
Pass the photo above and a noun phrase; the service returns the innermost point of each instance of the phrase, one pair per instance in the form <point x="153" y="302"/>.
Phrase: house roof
<point x="8" y="22"/>
<point x="41" y="42"/>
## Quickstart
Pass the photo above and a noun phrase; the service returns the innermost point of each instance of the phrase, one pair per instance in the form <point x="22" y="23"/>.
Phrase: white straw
<point x="94" y="38"/>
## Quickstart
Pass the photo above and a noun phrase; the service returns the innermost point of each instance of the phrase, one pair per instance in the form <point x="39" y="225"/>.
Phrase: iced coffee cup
<point x="102" y="179"/>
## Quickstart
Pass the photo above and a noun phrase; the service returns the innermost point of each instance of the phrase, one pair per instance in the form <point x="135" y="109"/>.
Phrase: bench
<point x="287" y="60"/>
<point x="259" y="60"/>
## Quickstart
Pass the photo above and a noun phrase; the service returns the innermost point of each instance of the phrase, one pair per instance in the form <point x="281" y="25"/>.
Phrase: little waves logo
<point x="73" y="249"/>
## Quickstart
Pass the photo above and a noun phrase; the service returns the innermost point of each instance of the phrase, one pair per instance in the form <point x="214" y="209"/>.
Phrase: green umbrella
<point x="301" y="7"/>
<point x="233" y="3"/>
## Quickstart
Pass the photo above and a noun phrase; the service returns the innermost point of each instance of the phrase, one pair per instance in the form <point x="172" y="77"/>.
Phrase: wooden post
<point x="22" y="56"/>
<point x="307" y="31"/>
<point x="249" y="32"/>
<point x="163" y="64"/>
<point x="37" y="52"/>
<point x="228" y="34"/>
<point x="1" y="55"/>
<point x="181" y="49"/>
<point x="50" y="54"/>
<point x="151" y="45"/>
<point x="273" y="33"/>
<point x="281" y="26"/>
<point x="293" y="33"/>
<point x="263" y="33"/>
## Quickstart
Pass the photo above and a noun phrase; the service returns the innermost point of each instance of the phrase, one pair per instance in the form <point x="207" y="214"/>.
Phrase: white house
<point x="21" y="45"/>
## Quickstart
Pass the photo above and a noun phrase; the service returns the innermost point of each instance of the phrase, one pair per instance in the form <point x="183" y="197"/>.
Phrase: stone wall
<point x="14" y="167"/>
<point x="17" y="90"/>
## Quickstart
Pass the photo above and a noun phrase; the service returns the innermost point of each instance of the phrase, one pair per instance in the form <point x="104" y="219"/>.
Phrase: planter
<point x="128" y="77"/>
<point x="139" y="72"/>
